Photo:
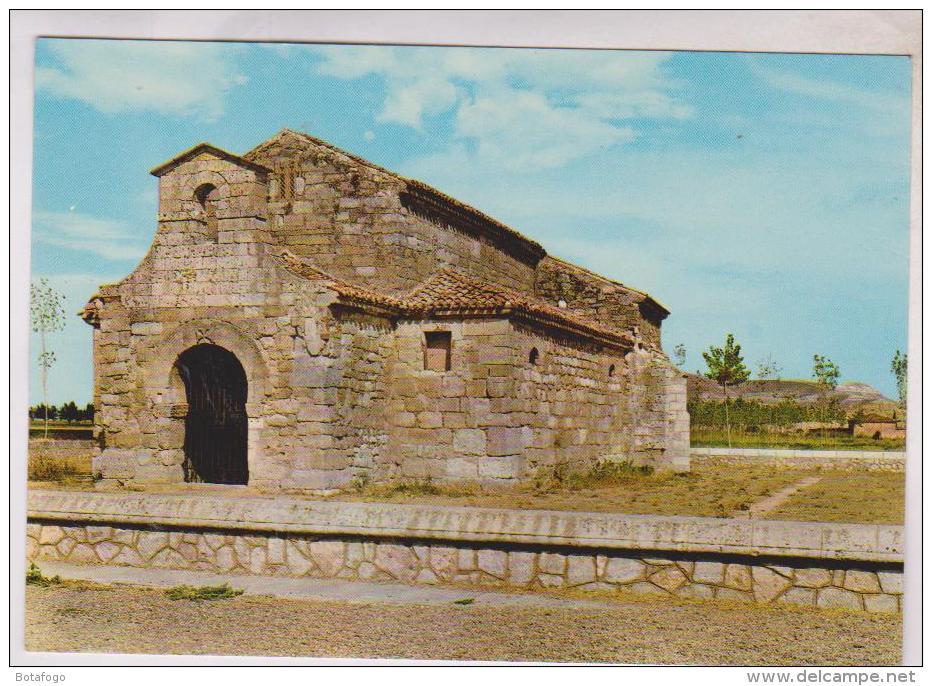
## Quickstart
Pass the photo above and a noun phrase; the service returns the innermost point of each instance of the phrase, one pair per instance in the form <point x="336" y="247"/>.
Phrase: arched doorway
<point x="215" y="434"/>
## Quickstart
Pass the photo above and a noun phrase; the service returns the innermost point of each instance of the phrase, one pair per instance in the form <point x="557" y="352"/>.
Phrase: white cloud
<point x="171" y="78"/>
<point x="520" y="108"/>
<point x="108" y="238"/>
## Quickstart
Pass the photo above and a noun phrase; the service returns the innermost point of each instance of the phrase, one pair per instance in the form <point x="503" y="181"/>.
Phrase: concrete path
<point x="316" y="589"/>
<point x="775" y="500"/>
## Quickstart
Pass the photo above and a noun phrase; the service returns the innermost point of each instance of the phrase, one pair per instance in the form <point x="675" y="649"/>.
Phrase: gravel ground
<point x="78" y="617"/>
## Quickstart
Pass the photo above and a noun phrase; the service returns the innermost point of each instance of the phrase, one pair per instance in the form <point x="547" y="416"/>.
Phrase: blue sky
<point x="764" y="195"/>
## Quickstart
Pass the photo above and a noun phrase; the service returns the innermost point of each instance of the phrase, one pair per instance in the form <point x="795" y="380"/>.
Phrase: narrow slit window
<point x="611" y="370"/>
<point x="533" y="356"/>
<point x="437" y="350"/>
<point x="207" y="195"/>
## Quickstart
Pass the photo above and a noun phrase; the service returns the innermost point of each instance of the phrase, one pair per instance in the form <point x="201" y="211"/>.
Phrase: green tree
<point x="726" y="367"/>
<point x="70" y="411"/>
<point x="679" y="355"/>
<point x="767" y="368"/>
<point x="898" y="367"/>
<point x="826" y="373"/>
<point x="47" y="312"/>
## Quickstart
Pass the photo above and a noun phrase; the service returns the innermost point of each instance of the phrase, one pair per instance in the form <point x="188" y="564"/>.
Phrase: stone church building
<point x="305" y="318"/>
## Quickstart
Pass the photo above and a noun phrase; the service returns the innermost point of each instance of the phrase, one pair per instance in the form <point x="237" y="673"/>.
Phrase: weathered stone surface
<point x="335" y="391"/>
<point x="881" y="602"/>
<point x="520" y="568"/>
<point x="580" y="569"/>
<point x="738" y="577"/>
<point x="552" y="563"/>
<point x="398" y="561"/>
<point x="838" y="598"/>
<point x="148" y="543"/>
<point x="327" y="555"/>
<point x="669" y="578"/>
<point x="709" y="572"/>
<point x="51" y="535"/>
<point x="494" y="562"/>
<point x="813" y="577"/>
<point x="106" y="550"/>
<point x="799" y="596"/>
<point x="861" y="581"/>
<point x="891" y="582"/>
<point x="443" y="561"/>
<point x="623" y="571"/>
<point x="768" y="584"/>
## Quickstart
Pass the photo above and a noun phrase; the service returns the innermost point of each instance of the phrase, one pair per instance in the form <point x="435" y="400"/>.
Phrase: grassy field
<point x="715" y="438"/>
<point x="715" y="490"/>
<point x="54" y="463"/>
<point x="76" y="617"/>
<point x="874" y="497"/>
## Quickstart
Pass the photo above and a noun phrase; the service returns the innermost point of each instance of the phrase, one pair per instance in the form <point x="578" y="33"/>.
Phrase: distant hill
<point x="852" y="396"/>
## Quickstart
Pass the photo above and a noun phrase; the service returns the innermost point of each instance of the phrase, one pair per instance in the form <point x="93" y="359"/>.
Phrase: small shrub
<point x="45" y="468"/>
<point x="413" y="488"/>
<point x="360" y="482"/>
<point x="198" y="593"/>
<point x="602" y="474"/>
<point x="35" y="577"/>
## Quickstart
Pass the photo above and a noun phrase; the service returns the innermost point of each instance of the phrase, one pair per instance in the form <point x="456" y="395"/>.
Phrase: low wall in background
<point x="843" y="460"/>
<point x="853" y="566"/>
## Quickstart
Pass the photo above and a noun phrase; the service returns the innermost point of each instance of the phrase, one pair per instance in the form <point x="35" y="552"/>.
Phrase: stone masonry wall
<point x="495" y="415"/>
<point x="839" y="584"/>
<point x="595" y="298"/>
<point x="347" y="217"/>
<point x="336" y="395"/>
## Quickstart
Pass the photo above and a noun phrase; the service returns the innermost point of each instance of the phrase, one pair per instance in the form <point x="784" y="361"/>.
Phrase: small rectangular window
<point x="437" y="351"/>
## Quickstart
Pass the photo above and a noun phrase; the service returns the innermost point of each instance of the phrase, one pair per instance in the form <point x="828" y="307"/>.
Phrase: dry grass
<point x="717" y="438"/>
<point x="867" y="497"/>
<point x="713" y="492"/>
<point x="124" y="619"/>
<point x="46" y="467"/>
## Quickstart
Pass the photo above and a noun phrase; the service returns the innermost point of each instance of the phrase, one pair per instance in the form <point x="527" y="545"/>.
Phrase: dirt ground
<point x="78" y="617"/>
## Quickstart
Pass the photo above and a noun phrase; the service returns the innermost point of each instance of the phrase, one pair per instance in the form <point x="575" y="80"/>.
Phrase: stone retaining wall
<point x="856" y="567"/>
<point x="843" y="460"/>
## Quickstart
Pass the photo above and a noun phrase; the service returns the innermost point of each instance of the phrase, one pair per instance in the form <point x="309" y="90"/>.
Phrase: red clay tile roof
<point x="449" y="293"/>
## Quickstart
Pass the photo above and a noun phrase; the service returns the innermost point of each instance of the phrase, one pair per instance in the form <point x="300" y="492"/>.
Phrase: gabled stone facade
<point x="383" y="329"/>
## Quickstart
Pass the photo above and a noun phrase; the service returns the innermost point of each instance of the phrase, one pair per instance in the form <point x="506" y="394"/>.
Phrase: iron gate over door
<point x="215" y="428"/>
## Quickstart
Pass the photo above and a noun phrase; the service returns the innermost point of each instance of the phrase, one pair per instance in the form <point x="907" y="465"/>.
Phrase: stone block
<point x="327" y="555"/>
<point x="520" y="568"/>
<point x="813" y="577"/>
<point x="552" y="563"/>
<point x="891" y="582"/>
<point x="469" y="441"/>
<point x="708" y="572"/>
<point x="669" y="578"/>
<point x="619" y="570"/>
<point x="738" y="577"/>
<point x="768" y="584"/>
<point x="502" y="440"/>
<point x="398" y="561"/>
<point x="881" y="602"/>
<point x="861" y="581"/>
<point x="799" y="596"/>
<point x="580" y="569"/>
<point x="833" y="597"/>
<point x="494" y="562"/>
